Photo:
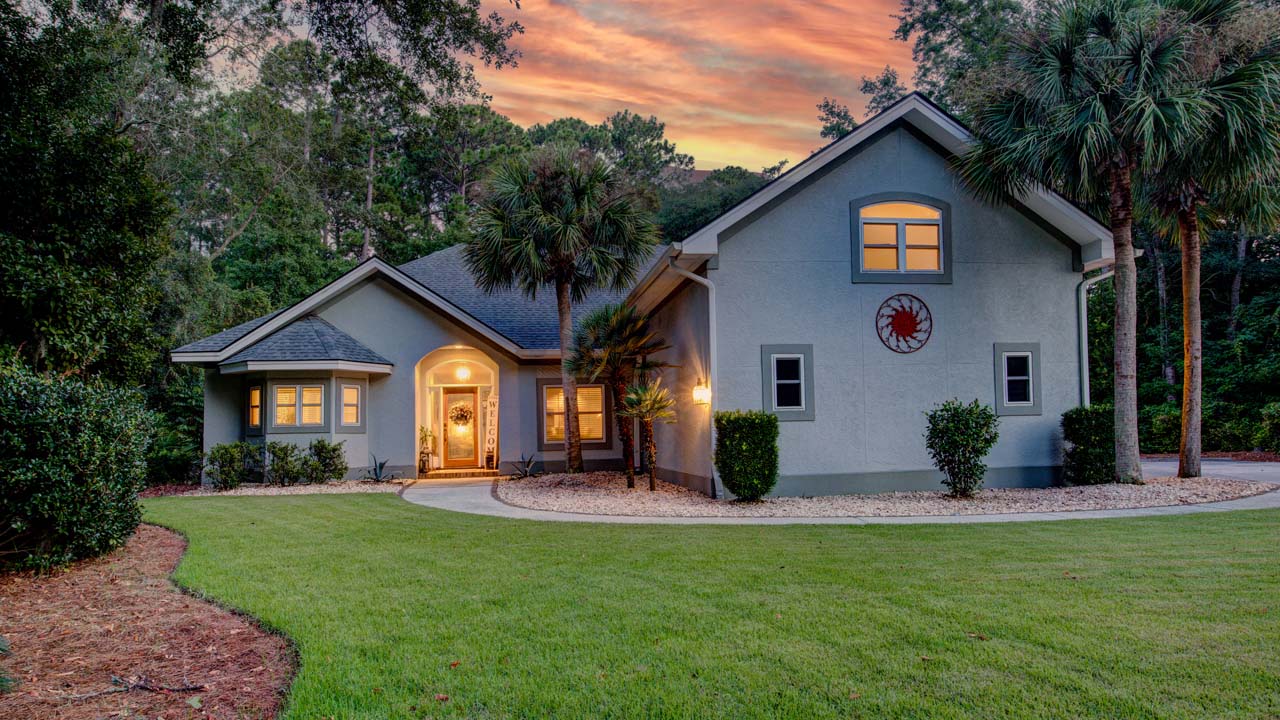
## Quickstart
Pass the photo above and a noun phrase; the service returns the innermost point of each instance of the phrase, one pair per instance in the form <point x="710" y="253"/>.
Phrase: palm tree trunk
<point x="1128" y="462"/>
<point x="619" y="390"/>
<point x="572" y="436"/>
<point x="651" y="455"/>
<point x="1162" y="295"/>
<point x="1192" y="360"/>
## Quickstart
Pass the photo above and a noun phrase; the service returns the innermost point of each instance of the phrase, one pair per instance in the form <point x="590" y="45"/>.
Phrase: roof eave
<point x="249" y="366"/>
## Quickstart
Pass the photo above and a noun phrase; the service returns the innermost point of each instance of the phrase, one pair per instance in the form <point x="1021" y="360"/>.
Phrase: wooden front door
<point x="461" y="434"/>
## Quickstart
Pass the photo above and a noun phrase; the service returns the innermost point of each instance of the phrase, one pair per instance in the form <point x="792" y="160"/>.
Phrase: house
<point x="847" y="297"/>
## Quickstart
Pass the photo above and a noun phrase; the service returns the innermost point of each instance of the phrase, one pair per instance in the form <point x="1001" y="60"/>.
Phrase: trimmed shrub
<point x="328" y="461"/>
<point x="286" y="465"/>
<point x="230" y="464"/>
<point x="1268" y="437"/>
<point x="747" y="452"/>
<point x="958" y="438"/>
<point x="73" y="458"/>
<point x="1090" y="455"/>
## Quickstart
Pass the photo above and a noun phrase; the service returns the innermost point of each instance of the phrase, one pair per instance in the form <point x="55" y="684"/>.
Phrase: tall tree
<point x="952" y="38"/>
<point x="566" y="218"/>
<point x="1087" y="97"/>
<point x="636" y="144"/>
<point x="881" y="90"/>
<point x="614" y="344"/>
<point x="1236" y="73"/>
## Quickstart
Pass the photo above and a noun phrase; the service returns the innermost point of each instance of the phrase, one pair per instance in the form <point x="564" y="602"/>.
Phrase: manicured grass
<point x="1154" y="618"/>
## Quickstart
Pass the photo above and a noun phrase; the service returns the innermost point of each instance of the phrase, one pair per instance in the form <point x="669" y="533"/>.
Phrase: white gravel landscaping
<point x="606" y="493"/>
<point x="345" y="486"/>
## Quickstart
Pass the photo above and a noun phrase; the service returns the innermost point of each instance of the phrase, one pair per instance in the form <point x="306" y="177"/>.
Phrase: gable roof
<point x="219" y="341"/>
<point x="951" y="136"/>
<point x="307" y="338"/>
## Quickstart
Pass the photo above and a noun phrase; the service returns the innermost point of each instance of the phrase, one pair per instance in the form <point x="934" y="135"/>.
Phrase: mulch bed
<point x="166" y="490"/>
<point x="114" y="638"/>
<point x="1241" y="455"/>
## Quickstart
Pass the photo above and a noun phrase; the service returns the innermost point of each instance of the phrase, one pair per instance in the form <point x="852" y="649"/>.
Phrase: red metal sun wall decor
<point x="904" y="323"/>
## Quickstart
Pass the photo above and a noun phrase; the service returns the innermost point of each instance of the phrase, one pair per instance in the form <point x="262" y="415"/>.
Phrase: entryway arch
<point x="456" y="406"/>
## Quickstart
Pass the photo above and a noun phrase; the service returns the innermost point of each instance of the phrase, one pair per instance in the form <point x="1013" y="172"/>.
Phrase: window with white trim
<point x="590" y="413"/>
<point x="900" y="237"/>
<point x="350" y="404"/>
<point x="255" y="406"/>
<point x="1017" y="379"/>
<point x="788" y="381"/>
<point x="299" y="405"/>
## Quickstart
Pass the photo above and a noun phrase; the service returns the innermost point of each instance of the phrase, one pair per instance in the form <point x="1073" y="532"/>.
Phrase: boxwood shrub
<point x="230" y="464"/>
<point x="1090" y="436"/>
<point x="328" y="461"/>
<point x="286" y="464"/>
<point x="747" y="452"/>
<point x="73" y="458"/>
<point x="959" y="436"/>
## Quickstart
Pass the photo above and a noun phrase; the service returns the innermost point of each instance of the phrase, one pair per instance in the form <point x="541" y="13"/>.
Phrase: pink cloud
<point x="736" y="83"/>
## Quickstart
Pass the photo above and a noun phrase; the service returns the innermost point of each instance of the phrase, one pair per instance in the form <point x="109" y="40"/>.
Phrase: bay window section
<point x="298" y="406"/>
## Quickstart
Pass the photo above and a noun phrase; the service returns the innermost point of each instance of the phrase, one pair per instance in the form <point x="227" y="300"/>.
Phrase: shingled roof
<point x="221" y="340"/>
<point x="307" y="338"/>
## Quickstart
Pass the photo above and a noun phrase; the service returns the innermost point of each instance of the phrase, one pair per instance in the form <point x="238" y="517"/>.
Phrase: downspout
<point x="1082" y="316"/>
<point x="711" y="357"/>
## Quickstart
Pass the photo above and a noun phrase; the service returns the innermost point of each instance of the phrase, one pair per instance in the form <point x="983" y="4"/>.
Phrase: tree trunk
<point x="1237" y="280"/>
<point x="1128" y="462"/>
<point x="1162" y="294"/>
<point x="366" y="249"/>
<point x="625" y="433"/>
<point x="651" y="455"/>
<point x="572" y="436"/>
<point x="1192" y="360"/>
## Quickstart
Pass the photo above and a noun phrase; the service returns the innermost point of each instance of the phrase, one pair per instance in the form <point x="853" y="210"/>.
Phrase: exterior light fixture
<point x="702" y="393"/>
<point x="463" y="373"/>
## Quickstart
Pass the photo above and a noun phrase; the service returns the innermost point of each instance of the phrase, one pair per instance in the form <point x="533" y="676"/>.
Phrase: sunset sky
<point x="735" y="82"/>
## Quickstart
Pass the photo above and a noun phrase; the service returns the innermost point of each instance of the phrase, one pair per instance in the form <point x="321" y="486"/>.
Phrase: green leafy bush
<point x="328" y="461"/>
<point x="230" y="464"/>
<point x="958" y="438"/>
<point x="1090" y="435"/>
<point x="286" y="465"/>
<point x="1160" y="428"/>
<point x="72" y="460"/>
<point x="747" y="452"/>
<point x="1268" y="436"/>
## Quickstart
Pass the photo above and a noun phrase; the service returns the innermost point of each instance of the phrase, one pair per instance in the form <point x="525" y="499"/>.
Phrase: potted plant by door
<point x="426" y="449"/>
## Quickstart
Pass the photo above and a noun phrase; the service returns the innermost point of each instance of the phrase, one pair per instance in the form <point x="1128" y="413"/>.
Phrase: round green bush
<point x="230" y="464"/>
<point x="747" y="452"/>
<point x="1090" y="455"/>
<point x="74" y="456"/>
<point x="959" y="436"/>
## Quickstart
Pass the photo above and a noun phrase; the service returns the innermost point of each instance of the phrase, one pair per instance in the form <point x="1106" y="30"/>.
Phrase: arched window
<point x="900" y="237"/>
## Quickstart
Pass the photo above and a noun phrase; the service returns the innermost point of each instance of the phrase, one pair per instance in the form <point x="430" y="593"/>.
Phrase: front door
<point x="461" y="427"/>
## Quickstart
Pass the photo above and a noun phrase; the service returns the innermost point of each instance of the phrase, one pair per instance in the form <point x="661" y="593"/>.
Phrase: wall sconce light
<point x="702" y="393"/>
<point x="463" y="373"/>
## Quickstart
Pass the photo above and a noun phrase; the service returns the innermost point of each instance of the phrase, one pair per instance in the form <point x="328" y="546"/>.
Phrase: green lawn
<point x="1161" y="617"/>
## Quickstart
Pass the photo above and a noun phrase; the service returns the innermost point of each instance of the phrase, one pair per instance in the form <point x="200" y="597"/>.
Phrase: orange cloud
<point x="736" y="83"/>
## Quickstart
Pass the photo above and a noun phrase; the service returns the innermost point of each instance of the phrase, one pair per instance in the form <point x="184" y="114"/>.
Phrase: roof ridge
<point x="316" y="325"/>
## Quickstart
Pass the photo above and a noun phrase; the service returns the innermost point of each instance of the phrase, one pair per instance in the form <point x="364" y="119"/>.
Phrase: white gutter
<point x="1082" y="316"/>
<point x="711" y="356"/>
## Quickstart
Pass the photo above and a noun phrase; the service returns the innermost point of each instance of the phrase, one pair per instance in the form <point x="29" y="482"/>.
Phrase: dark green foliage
<point x="231" y="464"/>
<point x="1268" y="437"/>
<point x="73" y="455"/>
<point x="286" y="464"/>
<point x="327" y="461"/>
<point x="1090" y="436"/>
<point x="747" y="452"/>
<point x="959" y="436"/>
<point x="687" y="207"/>
<point x="1161" y="427"/>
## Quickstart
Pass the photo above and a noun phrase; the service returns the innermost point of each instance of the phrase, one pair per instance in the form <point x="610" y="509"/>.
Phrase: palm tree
<point x="614" y="343"/>
<point x="649" y="403"/>
<point x="1087" y="97"/>
<point x="566" y="218"/>
<point x="1237" y="71"/>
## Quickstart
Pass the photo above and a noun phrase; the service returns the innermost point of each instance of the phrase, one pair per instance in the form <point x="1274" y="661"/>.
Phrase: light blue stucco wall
<point x="785" y="278"/>
<point x="684" y="455"/>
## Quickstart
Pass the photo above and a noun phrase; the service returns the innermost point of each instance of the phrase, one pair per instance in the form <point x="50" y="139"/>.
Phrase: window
<point x="299" y="405"/>
<point x="1017" y="378"/>
<point x="787" y="375"/>
<point x="255" y="406"/>
<point x="590" y="413"/>
<point x="350" y="404"/>
<point x="901" y="237"/>
<point x="788" y="382"/>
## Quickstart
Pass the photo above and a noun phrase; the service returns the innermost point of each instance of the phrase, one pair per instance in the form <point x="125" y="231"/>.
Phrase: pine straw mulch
<point x="114" y="638"/>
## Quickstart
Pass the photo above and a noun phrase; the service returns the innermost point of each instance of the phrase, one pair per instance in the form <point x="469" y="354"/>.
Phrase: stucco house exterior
<point x="848" y="296"/>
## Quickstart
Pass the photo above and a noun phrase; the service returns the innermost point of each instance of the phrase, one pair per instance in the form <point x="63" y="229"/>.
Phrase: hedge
<point x="747" y="452"/>
<point x="74" y="458"/>
<point x="958" y="438"/>
<point x="1090" y="435"/>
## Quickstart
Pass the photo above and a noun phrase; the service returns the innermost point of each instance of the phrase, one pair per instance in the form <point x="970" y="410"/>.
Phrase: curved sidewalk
<point x="476" y="497"/>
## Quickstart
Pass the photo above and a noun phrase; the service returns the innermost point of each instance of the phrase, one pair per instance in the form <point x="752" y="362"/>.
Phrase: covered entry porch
<point x="457" y="407"/>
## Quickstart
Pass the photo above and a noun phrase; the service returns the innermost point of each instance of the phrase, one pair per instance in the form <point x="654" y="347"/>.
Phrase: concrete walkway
<point x="476" y="497"/>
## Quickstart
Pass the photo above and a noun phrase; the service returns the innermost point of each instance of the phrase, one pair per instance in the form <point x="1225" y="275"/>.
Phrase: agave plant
<point x="649" y="403"/>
